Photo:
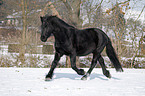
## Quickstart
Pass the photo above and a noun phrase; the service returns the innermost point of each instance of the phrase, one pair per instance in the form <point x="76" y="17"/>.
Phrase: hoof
<point x="81" y="72"/>
<point x="84" y="78"/>
<point x="48" y="79"/>
<point x="119" y="70"/>
<point x="107" y="74"/>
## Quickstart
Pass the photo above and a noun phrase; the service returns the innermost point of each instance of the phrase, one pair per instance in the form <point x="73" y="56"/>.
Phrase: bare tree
<point x="135" y="31"/>
<point x="23" y="41"/>
<point x="117" y="23"/>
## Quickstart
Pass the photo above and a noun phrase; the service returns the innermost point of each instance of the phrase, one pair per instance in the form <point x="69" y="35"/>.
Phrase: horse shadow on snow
<point x="78" y="77"/>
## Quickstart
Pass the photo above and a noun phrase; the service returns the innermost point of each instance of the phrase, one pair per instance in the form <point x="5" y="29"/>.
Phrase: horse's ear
<point x="41" y="18"/>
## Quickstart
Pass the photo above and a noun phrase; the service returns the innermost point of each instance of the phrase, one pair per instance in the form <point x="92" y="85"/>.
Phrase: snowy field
<point x="30" y="82"/>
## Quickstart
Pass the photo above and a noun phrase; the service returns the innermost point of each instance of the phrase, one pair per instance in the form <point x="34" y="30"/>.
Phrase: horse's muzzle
<point x="43" y="38"/>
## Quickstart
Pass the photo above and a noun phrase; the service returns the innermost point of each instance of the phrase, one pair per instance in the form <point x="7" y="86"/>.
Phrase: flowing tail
<point x="113" y="57"/>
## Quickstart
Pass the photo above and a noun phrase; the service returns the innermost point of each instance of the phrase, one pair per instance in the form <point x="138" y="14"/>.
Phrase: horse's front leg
<point x="93" y="64"/>
<point x="53" y="66"/>
<point x="74" y="67"/>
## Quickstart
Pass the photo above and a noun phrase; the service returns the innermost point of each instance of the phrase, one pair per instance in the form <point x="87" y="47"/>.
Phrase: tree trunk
<point x="24" y="18"/>
<point x="68" y="64"/>
<point x="74" y="12"/>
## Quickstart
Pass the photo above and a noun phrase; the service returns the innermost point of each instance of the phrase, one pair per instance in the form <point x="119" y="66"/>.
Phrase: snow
<point x="30" y="82"/>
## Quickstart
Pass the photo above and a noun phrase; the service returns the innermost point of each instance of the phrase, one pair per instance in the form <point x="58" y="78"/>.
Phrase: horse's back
<point x="86" y="41"/>
<point x="94" y="34"/>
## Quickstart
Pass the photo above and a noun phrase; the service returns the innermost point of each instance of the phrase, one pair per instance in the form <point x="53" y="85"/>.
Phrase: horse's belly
<point x="83" y="51"/>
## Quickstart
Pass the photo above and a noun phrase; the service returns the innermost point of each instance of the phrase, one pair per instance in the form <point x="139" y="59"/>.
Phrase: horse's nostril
<point x="42" y="37"/>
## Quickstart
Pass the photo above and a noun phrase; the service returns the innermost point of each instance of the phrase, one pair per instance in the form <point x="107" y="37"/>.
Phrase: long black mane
<point x="58" y="21"/>
<point x="74" y="42"/>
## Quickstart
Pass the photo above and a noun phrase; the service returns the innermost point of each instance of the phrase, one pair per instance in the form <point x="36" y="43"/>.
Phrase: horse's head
<point x="46" y="29"/>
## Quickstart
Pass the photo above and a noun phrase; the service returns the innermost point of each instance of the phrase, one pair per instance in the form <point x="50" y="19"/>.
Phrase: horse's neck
<point x="63" y="31"/>
<point x="61" y="35"/>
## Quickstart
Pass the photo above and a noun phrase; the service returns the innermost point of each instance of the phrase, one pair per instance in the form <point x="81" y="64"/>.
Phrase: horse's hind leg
<point x="53" y="66"/>
<point x="105" y="72"/>
<point x="96" y="55"/>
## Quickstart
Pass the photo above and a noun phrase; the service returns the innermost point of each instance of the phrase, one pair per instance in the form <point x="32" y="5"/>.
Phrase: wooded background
<point x="20" y="23"/>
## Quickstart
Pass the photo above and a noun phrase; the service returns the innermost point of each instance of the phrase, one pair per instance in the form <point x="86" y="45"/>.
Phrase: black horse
<point x="73" y="42"/>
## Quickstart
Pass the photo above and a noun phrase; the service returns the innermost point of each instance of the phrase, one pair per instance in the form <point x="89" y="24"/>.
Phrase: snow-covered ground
<point x="30" y="82"/>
